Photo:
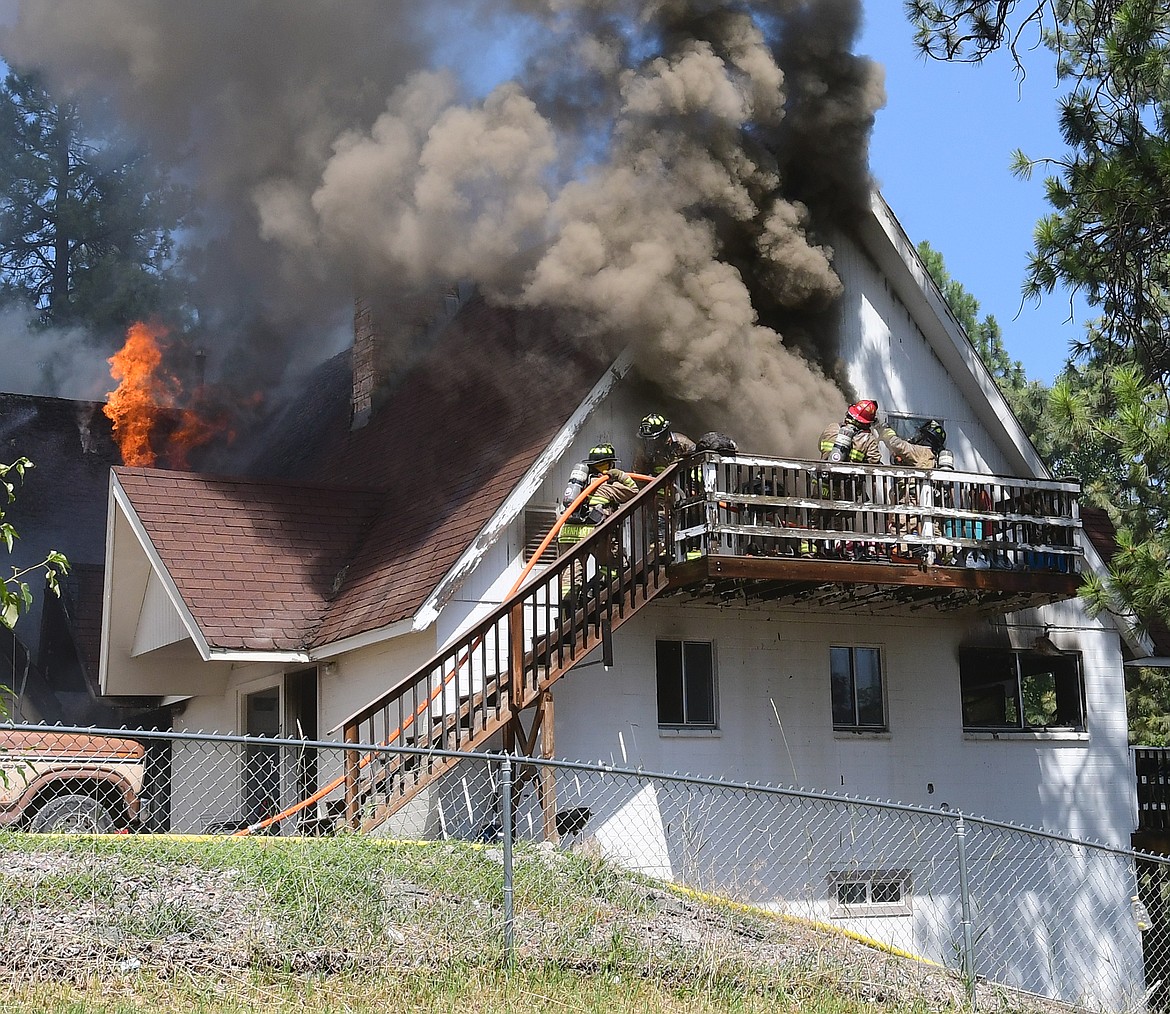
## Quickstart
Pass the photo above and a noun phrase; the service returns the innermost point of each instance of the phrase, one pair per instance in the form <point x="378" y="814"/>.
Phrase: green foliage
<point x="1108" y="237"/>
<point x="985" y="334"/>
<point x="15" y="594"/>
<point x="1147" y="700"/>
<point x="86" y="219"/>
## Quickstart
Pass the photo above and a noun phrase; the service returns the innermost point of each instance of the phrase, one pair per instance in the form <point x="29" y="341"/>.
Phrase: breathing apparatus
<point x="578" y="480"/>
<point x="842" y="442"/>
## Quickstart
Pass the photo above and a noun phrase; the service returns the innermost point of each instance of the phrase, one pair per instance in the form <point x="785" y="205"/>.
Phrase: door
<point x="261" y="763"/>
<point x="300" y="709"/>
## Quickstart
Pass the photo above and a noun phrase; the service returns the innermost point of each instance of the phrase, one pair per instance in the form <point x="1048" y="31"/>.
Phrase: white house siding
<point x="889" y="359"/>
<point x="775" y="720"/>
<point x="775" y="727"/>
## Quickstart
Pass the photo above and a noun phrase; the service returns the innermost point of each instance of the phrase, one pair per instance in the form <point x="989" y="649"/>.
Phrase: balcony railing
<point x="774" y="508"/>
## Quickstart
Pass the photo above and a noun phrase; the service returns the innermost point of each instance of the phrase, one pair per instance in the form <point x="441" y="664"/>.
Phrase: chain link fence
<point x="246" y="851"/>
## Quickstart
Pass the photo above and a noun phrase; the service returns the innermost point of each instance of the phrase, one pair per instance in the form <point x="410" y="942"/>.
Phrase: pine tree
<point x="86" y="220"/>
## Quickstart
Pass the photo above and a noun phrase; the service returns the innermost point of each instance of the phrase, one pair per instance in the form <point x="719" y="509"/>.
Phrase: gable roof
<point x="398" y="502"/>
<point x="254" y="562"/>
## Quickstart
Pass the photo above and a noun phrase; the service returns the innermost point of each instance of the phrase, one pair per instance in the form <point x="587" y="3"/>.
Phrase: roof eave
<point x="120" y="503"/>
<point x="952" y="345"/>
<point x="521" y="494"/>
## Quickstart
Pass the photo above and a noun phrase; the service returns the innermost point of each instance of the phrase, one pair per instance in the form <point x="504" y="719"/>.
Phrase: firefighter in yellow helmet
<point x="617" y="489"/>
<point x="660" y="446"/>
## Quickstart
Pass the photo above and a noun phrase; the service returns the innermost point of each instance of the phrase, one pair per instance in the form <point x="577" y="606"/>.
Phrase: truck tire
<point x="73" y="814"/>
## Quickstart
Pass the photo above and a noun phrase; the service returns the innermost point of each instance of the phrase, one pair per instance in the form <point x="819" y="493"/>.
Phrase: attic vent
<point x="538" y="522"/>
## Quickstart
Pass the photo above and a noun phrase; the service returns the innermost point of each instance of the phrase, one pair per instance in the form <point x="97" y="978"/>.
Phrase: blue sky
<point x="941" y="153"/>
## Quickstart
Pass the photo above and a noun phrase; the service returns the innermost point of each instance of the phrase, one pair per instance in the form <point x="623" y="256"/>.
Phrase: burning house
<point x="50" y="659"/>
<point x="667" y="208"/>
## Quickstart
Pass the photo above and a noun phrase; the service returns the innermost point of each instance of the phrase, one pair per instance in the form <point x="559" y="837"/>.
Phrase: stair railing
<point x="496" y="668"/>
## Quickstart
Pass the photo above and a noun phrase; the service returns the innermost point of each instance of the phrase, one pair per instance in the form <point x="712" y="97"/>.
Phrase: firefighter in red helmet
<point x="852" y="441"/>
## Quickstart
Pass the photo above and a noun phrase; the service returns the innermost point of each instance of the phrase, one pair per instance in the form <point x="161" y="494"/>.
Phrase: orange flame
<point x="134" y="406"/>
<point x="144" y="407"/>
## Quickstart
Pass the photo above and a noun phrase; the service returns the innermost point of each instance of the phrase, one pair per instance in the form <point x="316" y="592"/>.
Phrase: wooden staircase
<point x="482" y="684"/>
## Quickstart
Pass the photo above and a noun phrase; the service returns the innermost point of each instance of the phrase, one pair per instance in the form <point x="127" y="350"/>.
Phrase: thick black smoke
<point x="666" y="171"/>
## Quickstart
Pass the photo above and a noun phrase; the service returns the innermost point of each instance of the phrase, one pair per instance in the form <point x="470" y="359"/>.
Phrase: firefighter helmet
<point x="600" y="453"/>
<point x="654" y="426"/>
<point x="932" y="435"/>
<point x="862" y="413"/>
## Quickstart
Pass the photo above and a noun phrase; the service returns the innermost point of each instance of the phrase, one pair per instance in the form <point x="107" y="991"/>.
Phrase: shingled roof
<point x="255" y="562"/>
<point x="271" y="565"/>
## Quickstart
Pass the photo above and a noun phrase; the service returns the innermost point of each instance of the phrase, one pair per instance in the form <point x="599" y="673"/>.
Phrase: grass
<point x="487" y="991"/>
<point x="353" y="924"/>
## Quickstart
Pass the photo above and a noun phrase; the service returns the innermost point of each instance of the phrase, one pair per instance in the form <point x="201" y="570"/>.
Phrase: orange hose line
<point x="325" y="790"/>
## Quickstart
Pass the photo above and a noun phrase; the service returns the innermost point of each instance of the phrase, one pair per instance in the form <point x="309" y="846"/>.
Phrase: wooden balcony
<point x="871" y="536"/>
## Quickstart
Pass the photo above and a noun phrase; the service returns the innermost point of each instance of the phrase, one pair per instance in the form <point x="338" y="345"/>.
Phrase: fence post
<point x="506" y="831"/>
<point x="965" y="900"/>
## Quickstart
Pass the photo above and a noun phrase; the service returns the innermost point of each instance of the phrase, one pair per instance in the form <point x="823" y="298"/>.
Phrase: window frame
<point x="710" y="675"/>
<point x="869" y="908"/>
<point x="857" y="726"/>
<point x="1066" y="669"/>
<point x="906" y="425"/>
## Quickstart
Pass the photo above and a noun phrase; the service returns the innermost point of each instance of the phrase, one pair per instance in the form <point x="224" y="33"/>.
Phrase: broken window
<point x="859" y="703"/>
<point x="1007" y="689"/>
<point x="686" y="684"/>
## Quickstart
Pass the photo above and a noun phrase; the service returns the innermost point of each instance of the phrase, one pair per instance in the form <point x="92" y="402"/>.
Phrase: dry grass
<point x="120" y="925"/>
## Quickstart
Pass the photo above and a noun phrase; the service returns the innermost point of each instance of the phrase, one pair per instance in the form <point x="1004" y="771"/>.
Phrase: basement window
<point x="1006" y="690"/>
<point x="686" y="684"/>
<point x="862" y="893"/>
<point x="538" y="522"/>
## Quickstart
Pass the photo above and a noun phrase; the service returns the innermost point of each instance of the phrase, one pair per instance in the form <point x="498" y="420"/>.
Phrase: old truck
<point x="70" y="782"/>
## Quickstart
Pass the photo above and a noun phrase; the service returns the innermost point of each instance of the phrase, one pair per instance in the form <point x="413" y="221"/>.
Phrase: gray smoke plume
<point x="668" y="171"/>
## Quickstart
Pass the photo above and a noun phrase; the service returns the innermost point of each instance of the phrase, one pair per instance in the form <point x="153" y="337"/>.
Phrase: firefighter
<point x="618" y="488"/>
<point x="923" y="450"/>
<point x="660" y="445"/>
<point x="850" y="442"/>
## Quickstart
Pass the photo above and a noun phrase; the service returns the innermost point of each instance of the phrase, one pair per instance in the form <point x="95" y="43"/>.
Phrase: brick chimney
<point x="365" y="366"/>
<point x="380" y="355"/>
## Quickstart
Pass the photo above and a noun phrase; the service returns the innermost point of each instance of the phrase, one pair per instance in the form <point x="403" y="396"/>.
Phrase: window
<point x="1005" y="689"/>
<point x="906" y="426"/>
<point x="686" y="684"/>
<point x="856" y="679"/>
<point x="870" y="892"/>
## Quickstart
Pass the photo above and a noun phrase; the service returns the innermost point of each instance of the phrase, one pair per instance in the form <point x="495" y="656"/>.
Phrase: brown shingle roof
<point x="448" y="446"/>
<point x="257" y="561"/>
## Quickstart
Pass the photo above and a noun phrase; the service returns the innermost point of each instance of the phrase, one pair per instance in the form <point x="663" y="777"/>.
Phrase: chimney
<point x="380" y="355"/>
<point x="365" y="347"/>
